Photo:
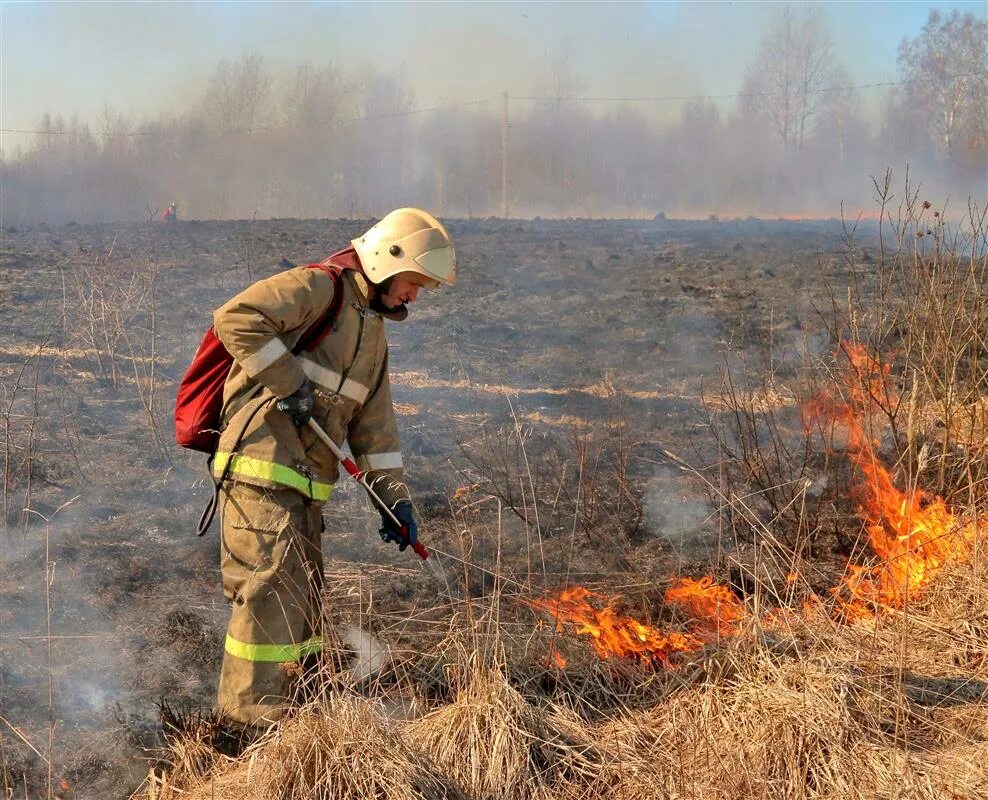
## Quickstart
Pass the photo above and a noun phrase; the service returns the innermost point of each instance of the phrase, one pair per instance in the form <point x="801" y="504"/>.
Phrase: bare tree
<point x="314" y="96"/>
<point x="558" y="124"/>
<point x="562" y="80"/>
<point x="236" y="93"/>
<point x="843" y="116"/>
<point x="693" y="157"/>
<point x="786" y="82"/>
<point x="378" y="150"/>
<point x="947" y="69"/>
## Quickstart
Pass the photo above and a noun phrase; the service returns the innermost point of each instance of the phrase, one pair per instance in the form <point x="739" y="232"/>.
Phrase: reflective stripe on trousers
<point x="271" y="561"/>
<point x="278" y="653"/>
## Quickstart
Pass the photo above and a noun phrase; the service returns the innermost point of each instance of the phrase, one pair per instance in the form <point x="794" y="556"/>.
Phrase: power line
<point x="334" y="124"/>
<point x="528" y="98"/>
<point x="735" y="95"/>
<point x="409" y="113"/>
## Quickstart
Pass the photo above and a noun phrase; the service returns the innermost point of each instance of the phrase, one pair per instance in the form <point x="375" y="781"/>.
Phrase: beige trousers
<point x="271" y="561"/>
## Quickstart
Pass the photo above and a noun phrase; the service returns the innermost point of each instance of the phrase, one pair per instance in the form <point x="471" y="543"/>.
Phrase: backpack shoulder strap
<point x="317" y="331"/>
<point x="309" y="341"/>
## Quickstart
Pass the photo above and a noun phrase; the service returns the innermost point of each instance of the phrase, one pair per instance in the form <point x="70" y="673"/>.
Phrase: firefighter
<point x="275" y="473"/>
<point x="170" y="214"/>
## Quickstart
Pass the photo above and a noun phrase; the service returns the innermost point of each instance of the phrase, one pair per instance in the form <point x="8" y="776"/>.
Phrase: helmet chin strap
<point x="381" y="289"/>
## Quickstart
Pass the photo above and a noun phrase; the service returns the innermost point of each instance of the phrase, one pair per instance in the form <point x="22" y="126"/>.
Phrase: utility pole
<point x="504" y="159"/>
<point x="441" y="185"/>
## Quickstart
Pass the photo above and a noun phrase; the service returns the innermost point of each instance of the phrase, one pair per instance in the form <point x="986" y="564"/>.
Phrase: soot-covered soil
<point x="556" y="329"/>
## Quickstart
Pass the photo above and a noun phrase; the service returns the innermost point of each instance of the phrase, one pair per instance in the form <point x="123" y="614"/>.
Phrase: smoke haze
<point x="241" y="110"/>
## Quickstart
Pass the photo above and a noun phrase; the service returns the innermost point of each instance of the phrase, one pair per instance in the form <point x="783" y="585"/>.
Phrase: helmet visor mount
<point x="437" y="265"/>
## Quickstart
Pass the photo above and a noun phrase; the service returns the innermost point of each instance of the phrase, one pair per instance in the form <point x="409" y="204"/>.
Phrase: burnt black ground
<point x="553" y="324"/>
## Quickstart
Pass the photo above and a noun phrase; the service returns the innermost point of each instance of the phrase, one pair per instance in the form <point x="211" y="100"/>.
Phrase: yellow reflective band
<point x="273" y="652"/>
<point x="251" y="467"/>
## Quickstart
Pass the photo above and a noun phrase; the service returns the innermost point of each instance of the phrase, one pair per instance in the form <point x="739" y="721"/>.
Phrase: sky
<point x="141" y="59"/>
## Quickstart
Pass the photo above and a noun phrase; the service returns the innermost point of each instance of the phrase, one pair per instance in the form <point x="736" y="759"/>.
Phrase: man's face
<point x="404" y="288"/>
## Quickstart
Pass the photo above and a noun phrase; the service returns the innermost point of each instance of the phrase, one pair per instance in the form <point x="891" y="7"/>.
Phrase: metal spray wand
<point x="430" y="560"/>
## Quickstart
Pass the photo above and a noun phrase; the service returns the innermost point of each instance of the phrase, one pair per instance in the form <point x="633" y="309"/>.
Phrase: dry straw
<point x="341" y="747"/>
<point x="501" y="747"/>
<point x="894" y="708"/>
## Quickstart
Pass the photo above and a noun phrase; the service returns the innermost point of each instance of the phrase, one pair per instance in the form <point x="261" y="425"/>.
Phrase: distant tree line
<point x="323" y="142"/>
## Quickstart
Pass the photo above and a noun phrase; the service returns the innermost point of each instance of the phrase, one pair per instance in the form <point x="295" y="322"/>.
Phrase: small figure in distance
<point x="170" y="214"/>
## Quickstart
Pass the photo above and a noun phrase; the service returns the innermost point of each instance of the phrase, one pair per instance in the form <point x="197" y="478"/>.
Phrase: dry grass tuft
<point x="773" y="730"/>
<point x="500" y="747"/>
<point x="346" y="748"/>
<point x="796" y="729"/>
<point x="341" y="747"/>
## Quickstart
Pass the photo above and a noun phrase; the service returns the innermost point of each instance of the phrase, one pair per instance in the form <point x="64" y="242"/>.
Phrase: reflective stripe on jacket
<point x="349" y="372"/>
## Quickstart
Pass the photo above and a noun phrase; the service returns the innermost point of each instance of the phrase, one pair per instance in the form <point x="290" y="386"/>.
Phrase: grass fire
<point x="912" y="534"/>
<point x="732" y="552"/>
<point x="493" y="401"/>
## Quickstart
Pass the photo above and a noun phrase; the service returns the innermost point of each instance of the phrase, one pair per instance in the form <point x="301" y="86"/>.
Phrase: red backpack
<point x="199" y="403"/>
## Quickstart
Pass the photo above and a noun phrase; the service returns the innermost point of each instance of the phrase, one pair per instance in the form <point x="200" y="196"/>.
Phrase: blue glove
<point x="408" y="533"/>
<point x="299" y="404"/>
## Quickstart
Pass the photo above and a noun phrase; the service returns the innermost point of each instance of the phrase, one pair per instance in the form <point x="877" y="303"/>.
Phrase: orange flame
<point x="913" y="533"/>
<point x="613" y="634"/>
<point x="711" y="606"/>
<point x="867" y="378"/>
<point x="558" y="660"/>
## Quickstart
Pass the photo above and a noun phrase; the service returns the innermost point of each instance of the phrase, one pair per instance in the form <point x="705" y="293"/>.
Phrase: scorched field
<point x="709" y="494"/>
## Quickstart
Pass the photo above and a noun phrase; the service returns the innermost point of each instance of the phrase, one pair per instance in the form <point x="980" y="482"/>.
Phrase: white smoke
<point x="675" y="512"/>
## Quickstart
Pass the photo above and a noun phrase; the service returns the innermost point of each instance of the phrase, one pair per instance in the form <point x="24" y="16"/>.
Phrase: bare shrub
<point x="925" y="314"/>
<point x="771" y="472"/>
<point x="919" y="311"/>
<point x="109" y="326"/>
<point x="580" y="478"/>
<point x="21" y="415"/>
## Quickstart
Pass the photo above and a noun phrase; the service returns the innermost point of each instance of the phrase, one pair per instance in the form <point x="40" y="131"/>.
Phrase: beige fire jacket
<point x="349" y="372"/>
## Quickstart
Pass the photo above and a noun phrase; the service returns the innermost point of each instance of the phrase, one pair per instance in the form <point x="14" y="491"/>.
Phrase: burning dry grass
<point x="878" y="689"/>
<point x="890" y="708"/>
<point x="895" y="706"/>
<point x="890" y="701"/>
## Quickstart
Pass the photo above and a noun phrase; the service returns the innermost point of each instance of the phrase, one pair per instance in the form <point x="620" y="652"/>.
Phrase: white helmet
<point x="407" y="240"/>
